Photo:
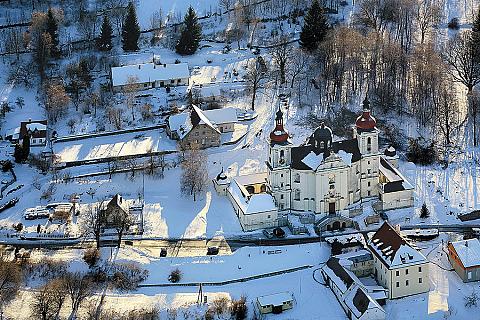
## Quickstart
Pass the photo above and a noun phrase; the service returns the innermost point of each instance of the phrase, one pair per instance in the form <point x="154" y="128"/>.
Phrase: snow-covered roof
<point x="221" y="116"/>
<point x="312" y="160"/>
<point x="36" y="126"/>
<point x="347" y="238"/>
<point x="391" y="248"/>
<point x="346" y="157"/>
<point x="251" y="204"/>
<point x="250" y="179"/>
<point x="149" y="72"/>
<point x="208" y="91"/>
<point x="468" y="252"/>
<point x="276" y="299"/>
<point x="180" y="123"/>
<point x="359" y="302"/>
<point x="396" y="181"/>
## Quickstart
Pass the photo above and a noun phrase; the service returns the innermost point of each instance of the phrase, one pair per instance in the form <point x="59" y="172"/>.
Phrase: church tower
<point x="366" y="133"/>
<point x="278" y="163"/>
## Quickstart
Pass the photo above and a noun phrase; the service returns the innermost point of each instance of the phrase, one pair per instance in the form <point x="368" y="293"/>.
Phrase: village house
<point x="275" y="303"/>
<point x="398" y="267"/>
<point x="208" y="94"/>
<point x="201" y="128"/>
<point x="464" y="256"/>
<point x="149" y="75"/>
<point x="36" y="130"/>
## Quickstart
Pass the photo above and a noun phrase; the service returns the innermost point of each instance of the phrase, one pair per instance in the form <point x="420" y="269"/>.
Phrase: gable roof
<point x="184" y="122"/>
<point x="251" y="203"/>
<point x="118" y="202"/>
<point x="392" y="249"/>
<point x="468" y="251"/>
<point x="339" y="272"/>
<point x="358" y="301"/>
<point x="221" y="116"/>
<point x="149" y="72"/>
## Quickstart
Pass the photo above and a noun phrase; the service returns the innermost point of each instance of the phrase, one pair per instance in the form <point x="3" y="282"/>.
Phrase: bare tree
<point x="459" y="54"/>
<point x="78" y="287"/>
<point x="129" y="89"/>
<point x="448" y="113"/>
<point x="56" y="101"/>
<point x="194" y="171"/>
<point x="10" y="280"/>
<point x="257" y="73"/>
<point x="281" y="55"/>
<point x="429" y="14"/>
<point x="94" y="221"/>
<point x="48" y="300"/>
<point x="122" y="221"/>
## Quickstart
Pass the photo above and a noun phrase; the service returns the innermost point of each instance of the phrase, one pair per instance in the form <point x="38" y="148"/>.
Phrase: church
<point x="320" y="176"/>
<point x="325" y="176"/>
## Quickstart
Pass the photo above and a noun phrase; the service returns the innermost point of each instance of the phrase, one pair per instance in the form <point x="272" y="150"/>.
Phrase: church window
<point x="369" y="144"/>
<point x="297" y="177"/>
<point x="281" y="196"/>
<point x="282" y="153"/>
<point x="322" y="144"/>
<point x="297" y="194"/>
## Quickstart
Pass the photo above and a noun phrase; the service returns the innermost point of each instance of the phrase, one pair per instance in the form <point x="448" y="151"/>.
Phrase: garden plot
<point x="114" y="146"/>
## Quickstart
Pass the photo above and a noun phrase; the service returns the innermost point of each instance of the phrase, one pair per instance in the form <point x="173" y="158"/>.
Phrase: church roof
<point x="299" y="153"/>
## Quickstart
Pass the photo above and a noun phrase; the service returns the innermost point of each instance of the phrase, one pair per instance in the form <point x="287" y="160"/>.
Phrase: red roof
<point x="366" y="121"/>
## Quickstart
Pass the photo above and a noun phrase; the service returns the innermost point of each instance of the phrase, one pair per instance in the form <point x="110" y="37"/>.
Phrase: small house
<point x="275" y="303"/>
<point x="202" y="128"/>
<point x="464" y="256"/>
<point x="149" y="75"/>
<point x="394" y="189"/>
<point x="36" y="130"/>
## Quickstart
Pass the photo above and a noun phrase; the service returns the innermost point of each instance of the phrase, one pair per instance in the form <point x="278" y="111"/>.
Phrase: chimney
<point x="466" y="243"/>
<point x="397" y="228"/>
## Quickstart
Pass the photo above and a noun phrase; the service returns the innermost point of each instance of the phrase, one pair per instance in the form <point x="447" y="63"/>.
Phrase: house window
<point x="268" y="216"/>
<point x="369" y="171"/>
<point x="398" y="284"/>
<point x="420" y="280"/>
<point x="419" y="269"/>
<point x="469" y="275"/>
<point x="281" y="176"/>
<point x="297" y="194"/>
<point x="369" y="183"/>
<point x="172" y="81"/>
<point x="397" y="273"/>
<point x="297" y="177"/>
<point x="406" y="283"/>
<point x="406" y="271"/>
<point x="281" y="196"/>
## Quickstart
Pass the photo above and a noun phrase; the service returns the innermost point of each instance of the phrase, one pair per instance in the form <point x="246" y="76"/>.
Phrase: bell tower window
<point x="369" y="144"/>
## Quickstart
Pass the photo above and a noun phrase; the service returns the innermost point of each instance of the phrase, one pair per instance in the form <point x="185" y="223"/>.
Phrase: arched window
<point x="369" y="144"/>
<point x="297" y="194"/>
<point x="250" y="189"/>
<point x="322" y="145"/>
<point x="282" y="153"/>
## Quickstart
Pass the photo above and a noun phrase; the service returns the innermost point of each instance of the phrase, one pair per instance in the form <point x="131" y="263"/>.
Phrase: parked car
<point x="212" y="251"/>
<point x="163" y="252"/>
<point x="268" y="233"/>
<point x="279" y="233"/>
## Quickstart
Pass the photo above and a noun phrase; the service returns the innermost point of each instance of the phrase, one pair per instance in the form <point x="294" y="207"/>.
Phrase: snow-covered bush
<point x="471" y="300"/>
<point x="421" y="152"/>
<point x="239" y="309"/>
<point x="127" y="276"/>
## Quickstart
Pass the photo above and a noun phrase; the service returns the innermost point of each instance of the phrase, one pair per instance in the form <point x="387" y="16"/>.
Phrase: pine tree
<point x="104" y="42"/>
<point x="26" y="146"/>
<point x="191" y="34"/>
<point x="424" y="212"/>
<point x="52" y="30"/>
<point x="315" y="27"/>
<point x="130" y="29"/>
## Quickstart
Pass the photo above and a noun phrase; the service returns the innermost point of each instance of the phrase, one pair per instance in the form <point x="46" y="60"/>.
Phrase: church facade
<point x="325" y="176"/>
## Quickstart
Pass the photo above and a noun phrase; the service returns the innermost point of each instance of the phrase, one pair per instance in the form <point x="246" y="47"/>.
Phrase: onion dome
<point x="278" y="135"/>
<point x="366" y="122"/>
<point x="390" y="152"/>
<point x="323" y="133"/>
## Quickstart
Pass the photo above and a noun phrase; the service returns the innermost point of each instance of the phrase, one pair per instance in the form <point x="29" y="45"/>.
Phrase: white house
<point x="149" y="75"/>
<point x="398" y="267"/>
<point x="325" y="176"/>
<point x="275" y="303"/>
<point x="254" y="211"/>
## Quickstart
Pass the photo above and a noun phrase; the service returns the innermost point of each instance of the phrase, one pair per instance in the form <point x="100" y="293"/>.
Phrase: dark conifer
<point x="104" y="42"/>
<point x="52" y="30"/>
<point x="130" y="29"/>
<point x="191" y="34"/>
<point x="315" y="27"/>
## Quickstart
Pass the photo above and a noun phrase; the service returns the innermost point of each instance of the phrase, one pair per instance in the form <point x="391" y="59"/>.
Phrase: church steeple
<point x="278" y="135"/>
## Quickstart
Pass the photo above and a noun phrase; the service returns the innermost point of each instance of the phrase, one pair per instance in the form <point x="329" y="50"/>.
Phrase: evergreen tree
<point x="315" y="27"/>
<point x="26" y="146"/>
<point x="104" y="42"/>
<point x="191" y="34"/>
<point x="424" y="212"/>
<point x="52" y="30"/>
<point x="130" y="29"/>
<point x="18" y="153"/>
